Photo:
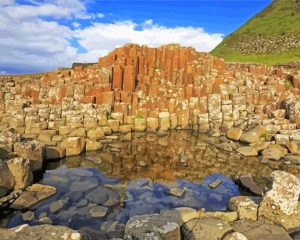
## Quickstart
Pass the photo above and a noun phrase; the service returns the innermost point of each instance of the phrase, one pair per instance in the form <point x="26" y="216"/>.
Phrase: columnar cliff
<point x="148" y="89"/>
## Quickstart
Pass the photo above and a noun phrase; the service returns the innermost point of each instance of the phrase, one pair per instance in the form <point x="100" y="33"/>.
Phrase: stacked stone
<point x="147" y="89"/>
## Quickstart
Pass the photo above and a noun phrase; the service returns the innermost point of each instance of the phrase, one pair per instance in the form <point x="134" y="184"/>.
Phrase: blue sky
<point x="41" y="35"/>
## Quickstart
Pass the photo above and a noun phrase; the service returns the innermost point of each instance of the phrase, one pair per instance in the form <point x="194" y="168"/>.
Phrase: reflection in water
<point x="179" y="155"/>
<point x="100" y="191"/>
<point x="90" y="200"/>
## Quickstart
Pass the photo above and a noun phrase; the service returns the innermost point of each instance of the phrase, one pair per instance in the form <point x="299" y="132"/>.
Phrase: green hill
<point x="271" y="37"/>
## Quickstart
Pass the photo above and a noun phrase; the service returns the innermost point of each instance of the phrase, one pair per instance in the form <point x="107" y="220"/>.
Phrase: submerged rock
<point x="33" y="195"/>
<point x="151" y="226"/>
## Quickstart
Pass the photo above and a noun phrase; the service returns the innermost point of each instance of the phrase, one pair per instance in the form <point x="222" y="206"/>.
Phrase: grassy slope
<point x="280" y="17"/>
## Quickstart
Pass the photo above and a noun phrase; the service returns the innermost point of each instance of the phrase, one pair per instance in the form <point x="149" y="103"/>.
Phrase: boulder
<point x="234" y="134"/>
<point x="205" y="229"/>
<point x="73" y="145"/>
<point x="280" y="205"/>
<point x="260" y="231"/>
<point x="246" y="181"/>
<point x="6" y="178"/>
<point x="253" y="135"/>
<point x="151" y="226"/>
<point x="54" y="153"/>
<point x="44" y="232"/>
<point x="274" y="152"/>
<point x="21" y="171"/>
<point x="247" y="151"/>
<point x="245" y="207"/>
<point x="31" y="150"/>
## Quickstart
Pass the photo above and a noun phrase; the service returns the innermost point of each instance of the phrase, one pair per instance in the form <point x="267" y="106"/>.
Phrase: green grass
<point x="281" y="17"/>
<point x="269" y="59"/>
<point x="288" y="84"/>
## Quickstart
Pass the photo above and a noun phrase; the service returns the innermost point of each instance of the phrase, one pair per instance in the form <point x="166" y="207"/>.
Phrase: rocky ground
<point x="252" y="110"/>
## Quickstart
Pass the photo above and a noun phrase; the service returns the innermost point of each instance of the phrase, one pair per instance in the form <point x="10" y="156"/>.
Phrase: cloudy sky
<point x="41" y="35"/>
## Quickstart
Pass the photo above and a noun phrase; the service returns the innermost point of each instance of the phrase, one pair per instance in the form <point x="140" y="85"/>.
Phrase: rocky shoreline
<point x="250" y="110"/>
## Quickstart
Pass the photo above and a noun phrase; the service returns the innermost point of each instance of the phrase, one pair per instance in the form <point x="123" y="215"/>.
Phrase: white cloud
<point x="30" y="43"/>
<point x="33" y="44"/>
<point x="104" y="37"/>
<point x="6" y="2"/>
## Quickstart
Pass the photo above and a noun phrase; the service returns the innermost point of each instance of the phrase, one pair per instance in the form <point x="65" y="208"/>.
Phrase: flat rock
<point x="97" y="211"/>
<point x="33" y="195"/>
<point x="247" y="151"/>
<point x="57" y="205"/>
<point x="103" y="196"/>
<point x="274" y="152"/>
<point x="234" y="134"/>
<point x="177" y="192"/>
<point x="205" y="229"/>
<point x="40" y="232"/>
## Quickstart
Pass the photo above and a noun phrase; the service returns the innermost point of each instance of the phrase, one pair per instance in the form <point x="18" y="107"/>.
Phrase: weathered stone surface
<point x="274" y="152"/>
<point x="21" y="171"/>
<point x="245" y="207"/>
<point x="205" y="229"/>
<point x="45" y="232"/>
<point x="33" y="195"/>
<point x="280" y="205"/>
<point x="234" y="133"/>
<point x="31" y="150"/>
<point x="259" y="230"/>
<point x="152" y="226"/>
<point x="253" y="135"/>
<point x="247" y="151"/>
<point x="6" y="178"/>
